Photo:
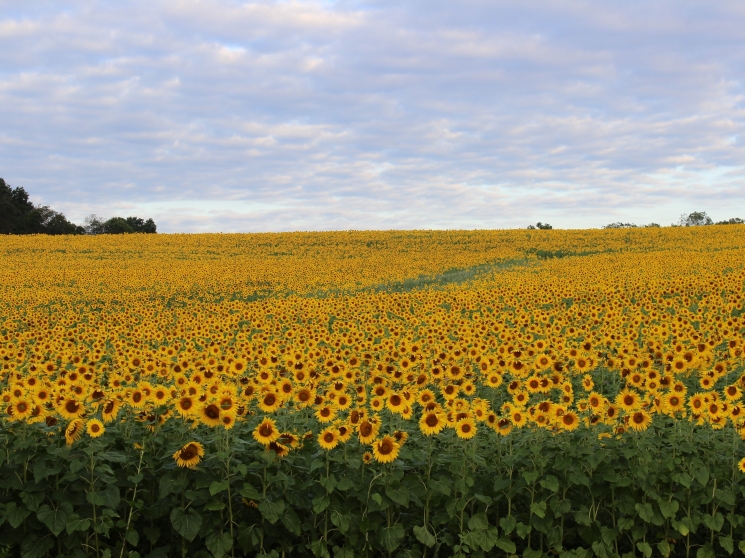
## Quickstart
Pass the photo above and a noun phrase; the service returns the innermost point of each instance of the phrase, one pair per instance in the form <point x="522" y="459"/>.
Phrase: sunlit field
<point x="427" y="393"/>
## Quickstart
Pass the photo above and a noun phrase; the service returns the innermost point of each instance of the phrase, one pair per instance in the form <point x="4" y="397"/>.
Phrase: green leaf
<point x="551" y="483"/>
<point x="506" y="544"/>
<point x="727" y="544"/>
<point x="683" y="478"/>
<point x="669" y="509"/>
<point x="319" y="549"/>
<point x="400" y="495"/>
<point x="214" y="505"/>
<point x="439" y="486"/>
<point x="741" y="546"/>
<point x="15" y="515"/>
<point x="538" y="508"/>
<point x="625" y="523"/>
<point x="531" y="476"/>
<point x="726" y="496"/>
<point x="36" y="547"/>
<point x="702" y="476"/>
<point x="168" y="485"/>
<point x="186" y="522"/>
<point x="378" y="499"/>
<point x="530" y="553"/>
<point x="217" y="487"/>
<point x="522" y="530"/>
<point x="291" y="521"/>
<point x="133" y="537"/>
<point x="645" y="549"/>
<point x="714" y="523"/>
<point x="680" y="527"/>
<point x="113" y="456"/>
<point x="507" y="524"/>
<point x="706" y="551"/>
<point x="322" y="502"/>
<point x="664" y="548"/>
<point x="74" y="523"/>
<point x="390" y="537"/>
<point x="135" y="479"/>
<point x="345" y="484"/>
<point x="219" y="545"/>
<point x="645" y="511"/>
<point x="478" y="522"/>
<point x="423" y="535"/>
<point x="271" y="510"/>
<point x="56" y="520"/>
<point x="328" y="483"/>
<point x="32" y="499"/>
<point x="341" y="520"/>
<point x="250" y="492"/>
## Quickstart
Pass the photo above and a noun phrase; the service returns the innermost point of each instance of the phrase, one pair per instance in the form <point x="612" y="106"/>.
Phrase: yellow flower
<point x="465" y="428"/>
<point x="266" y="432"/>
<point x="328" y="438"/>
<point x="95" y="428"/>
<point x="189" y="455"/>
<point x="386" y="450"/>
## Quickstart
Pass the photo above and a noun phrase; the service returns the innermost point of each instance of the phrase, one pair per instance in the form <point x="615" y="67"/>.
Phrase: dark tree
<point x="18" y="215"/>
<point x="695" y="219"/>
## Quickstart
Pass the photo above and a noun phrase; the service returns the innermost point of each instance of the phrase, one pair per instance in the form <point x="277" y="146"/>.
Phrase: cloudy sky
<point x="267" y="116"/>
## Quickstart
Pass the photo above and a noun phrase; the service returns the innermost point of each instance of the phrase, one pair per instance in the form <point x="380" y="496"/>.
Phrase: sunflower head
<point x="190" y="455"/>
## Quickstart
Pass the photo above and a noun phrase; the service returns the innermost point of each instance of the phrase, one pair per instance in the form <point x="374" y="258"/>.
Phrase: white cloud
<point x="320" y="115"/>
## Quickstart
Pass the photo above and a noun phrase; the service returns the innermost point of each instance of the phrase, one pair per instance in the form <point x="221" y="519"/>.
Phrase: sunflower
<point x="189" y="455"/>
<point x="367" y="431"/>
<point x="210" y="415"/>
<point x="465" y="428"/>
<point x="431" y="423"/>
<point x="519" y="418"/>
<point x="628" y="400"/>
<point x="569" y="421"/>
<point x="587" y="383"/>
<point x="367" y="457"/>
<point x="328" y="439"/>
<point x="279" y="449"/>
<point x="732" y="393"/>
<point x="266" y="432"/>
<point x="22" y="408"/>
<point x="270" y="402"/>
<point x="186" y="406"/>
<point x="504" y="426"/>
<point x="95" y="428"/>
<point x="673" y="403"/>
<point x="741" y="465"/>
<point x="110" y="410"/>
<point x="74" y="431"/>
<point x="70" y="409"/>
<point x="640" y="420"/>
<point x="325" y="414"/>
<point x="304" y="397"/>
<point x="386" y="450"/>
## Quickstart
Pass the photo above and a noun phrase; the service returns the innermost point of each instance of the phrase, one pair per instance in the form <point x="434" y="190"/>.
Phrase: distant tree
<point x="94" y="224"/>
<point x="657" y="225"/>
<point x="542" y="226"/>
<point x="620" y="225"/>
<point x="117" y="225"/>
<point x="18" y="215"/>
<point x="140" y="225"/>
<point x="733" y="221"/>
<point x="695" y="219"/>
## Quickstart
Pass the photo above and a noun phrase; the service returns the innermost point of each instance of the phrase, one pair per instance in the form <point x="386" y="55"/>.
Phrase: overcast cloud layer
<point x="269" y="116"/>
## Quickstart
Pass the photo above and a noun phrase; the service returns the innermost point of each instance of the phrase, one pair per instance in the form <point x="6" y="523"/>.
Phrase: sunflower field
<point x="531" y="393"/>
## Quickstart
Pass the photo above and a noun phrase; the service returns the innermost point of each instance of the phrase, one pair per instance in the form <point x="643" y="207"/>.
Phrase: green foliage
<point x="531" y="494"/>
<point x="18" y="215"/>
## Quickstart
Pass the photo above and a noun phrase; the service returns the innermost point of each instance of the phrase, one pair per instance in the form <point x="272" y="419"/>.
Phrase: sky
<point x="223" y="116"/>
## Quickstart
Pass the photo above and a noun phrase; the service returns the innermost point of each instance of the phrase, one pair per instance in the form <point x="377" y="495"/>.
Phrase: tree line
<point x="18" y="215"/>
